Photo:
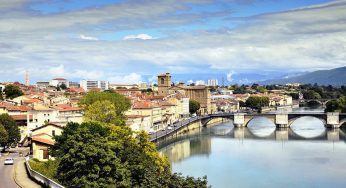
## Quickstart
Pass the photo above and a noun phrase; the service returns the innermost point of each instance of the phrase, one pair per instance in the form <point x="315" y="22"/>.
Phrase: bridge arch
<point x="207" y="120"/>
<point x="249" y="119"/>
<point x="342" y="122"/>
<point x="293" y="119"/>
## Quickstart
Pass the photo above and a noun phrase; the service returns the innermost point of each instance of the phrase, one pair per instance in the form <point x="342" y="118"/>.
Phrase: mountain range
<point x="334" y="77"/>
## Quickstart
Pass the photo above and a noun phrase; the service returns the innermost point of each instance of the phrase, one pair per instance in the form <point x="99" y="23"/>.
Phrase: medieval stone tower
<point x="164" y="83"/>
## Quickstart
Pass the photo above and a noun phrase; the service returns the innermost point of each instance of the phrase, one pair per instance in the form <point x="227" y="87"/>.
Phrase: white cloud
<point x="84" y="37"/>
<point x="230" y="76"/>
<point x="139" y="36"/>
<point x="304" y="39"/>
<point x="132" y="78"/>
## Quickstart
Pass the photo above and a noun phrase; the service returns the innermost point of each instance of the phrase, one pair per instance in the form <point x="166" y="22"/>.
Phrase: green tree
<point x="311" y="94"/>
<point x="12" y="91"/>
<point x="63" y="86"/>
<point x="87" y="159"/>
<point x="104" y="112"/>
<point x="261" y="89"/>
<point x="11" y="128"/>
<point x="194" y="106"/>
<point x="338" y="105"/>
<point x="1" y="95"/>
<point x="120" y="102"/>
<point x="103" y="155"/>
<point x="3" y="136"/>
<point x="257" y="102"/>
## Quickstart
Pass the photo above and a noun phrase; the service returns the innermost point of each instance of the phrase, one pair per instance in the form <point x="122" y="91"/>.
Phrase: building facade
<point x="88" y="85"/>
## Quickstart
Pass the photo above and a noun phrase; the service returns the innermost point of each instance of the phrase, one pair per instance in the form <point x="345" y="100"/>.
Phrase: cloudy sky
<point x="122" y="40"/>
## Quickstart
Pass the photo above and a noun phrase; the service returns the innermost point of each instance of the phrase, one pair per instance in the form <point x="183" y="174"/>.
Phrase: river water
<point x="305" y="155"/>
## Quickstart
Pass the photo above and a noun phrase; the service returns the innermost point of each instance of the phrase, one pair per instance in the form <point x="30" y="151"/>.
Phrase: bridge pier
<point x="333" y="120"/>
<point x="239" y="120"/>
<point x="281" y="120"/>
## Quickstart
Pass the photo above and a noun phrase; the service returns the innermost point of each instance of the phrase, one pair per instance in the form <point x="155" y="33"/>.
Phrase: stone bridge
<point x="281" y="120"/>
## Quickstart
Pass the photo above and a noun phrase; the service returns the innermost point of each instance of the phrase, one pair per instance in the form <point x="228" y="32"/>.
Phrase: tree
<point x="338" y="105"/>
<point x="103" y="111"/>
<point x="311" y="94"/>
<point x="12" y="91"/>
<point x="120" y="102"/>
<point x="3" y="136"/>
<point x="11" y="128"/>
<point x="194" y="106"/>
<point x="103" y="155"/>
<point x="63" y="86"/>
<point x="87" y="159"/>
<point x="1" y="95"/>
<point x="257" y="102"/>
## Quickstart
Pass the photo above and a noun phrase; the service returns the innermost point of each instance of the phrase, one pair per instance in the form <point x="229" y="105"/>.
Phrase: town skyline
<point x="91" y="40"/>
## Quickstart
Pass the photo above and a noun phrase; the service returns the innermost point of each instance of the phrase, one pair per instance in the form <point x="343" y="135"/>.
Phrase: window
<point x="162" y="81"/>
<point x="53" y="132"/>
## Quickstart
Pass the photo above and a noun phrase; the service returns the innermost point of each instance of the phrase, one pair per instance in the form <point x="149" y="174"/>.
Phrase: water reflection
<point x="187" y="148"/>
<point x="308" y="127"/>
<point x="261" y="127"/>
<point x="269" y="159"/>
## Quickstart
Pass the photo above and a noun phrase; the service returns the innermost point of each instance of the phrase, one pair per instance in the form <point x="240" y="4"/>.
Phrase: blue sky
<point x="121" y="41"/>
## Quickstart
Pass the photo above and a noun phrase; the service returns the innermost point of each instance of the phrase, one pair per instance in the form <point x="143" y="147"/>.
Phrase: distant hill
<point x="334" y="77"/>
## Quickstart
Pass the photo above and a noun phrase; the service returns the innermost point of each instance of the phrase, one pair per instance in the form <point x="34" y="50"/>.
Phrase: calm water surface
<point x="306" y="155"/>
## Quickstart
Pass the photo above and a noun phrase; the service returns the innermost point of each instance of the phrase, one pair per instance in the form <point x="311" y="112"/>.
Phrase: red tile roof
<point x="18" y="108"/>
<point x="42" y="140"/>
<point x="66" y="107"/>
<point x="20" y="117"/>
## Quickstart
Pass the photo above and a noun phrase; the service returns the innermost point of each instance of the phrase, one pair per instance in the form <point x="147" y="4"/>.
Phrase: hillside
<point x="322" y="77"/>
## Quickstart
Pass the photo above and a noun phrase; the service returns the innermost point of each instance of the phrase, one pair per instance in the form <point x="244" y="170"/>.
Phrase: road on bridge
<point x="175" y="127"/>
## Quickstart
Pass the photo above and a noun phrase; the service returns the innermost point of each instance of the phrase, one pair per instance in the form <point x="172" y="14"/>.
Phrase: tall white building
<point x="213" y="82"/>
<point x="200" y="82"/>
<point x="87" y="85"/>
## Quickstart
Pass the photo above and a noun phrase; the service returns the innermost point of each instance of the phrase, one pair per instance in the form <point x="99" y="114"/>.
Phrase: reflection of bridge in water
<point x="279" y="134"/>
<point x="330" y="120"/>
<point x="198" y="142"/>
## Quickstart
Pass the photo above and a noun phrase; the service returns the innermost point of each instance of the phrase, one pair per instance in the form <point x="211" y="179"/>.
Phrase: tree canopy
<point x="120" y="102"/>
<point x="194" y="106"/>
<point x="103" y="155"/>
<point x="336" y="105"/>
<point x="12" y="91"/>
<point x="257" y="102"/>
<point x="11" y="129"/>
<point x="3" y="136"/>
<point x="63" y="86"/>
<point x="103" y="111"/>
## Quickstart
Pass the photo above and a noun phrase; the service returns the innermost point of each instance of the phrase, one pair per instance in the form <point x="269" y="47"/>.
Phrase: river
<point x="305" y="155"/>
